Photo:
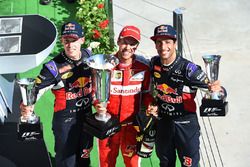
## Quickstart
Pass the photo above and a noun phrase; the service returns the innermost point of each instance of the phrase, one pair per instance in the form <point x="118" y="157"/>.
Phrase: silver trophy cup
<point x="212" y="69"/>
<point x="29" y="127"/>
<point x="213" y="103"/>
<point x="101" y="69"/>
<point x="102" y="125"/>
<point x="27" y="88"/>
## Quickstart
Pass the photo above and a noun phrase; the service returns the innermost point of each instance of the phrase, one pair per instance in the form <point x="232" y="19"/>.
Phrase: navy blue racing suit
<point x="70" y="83"/>
<point x="177" y="127"/>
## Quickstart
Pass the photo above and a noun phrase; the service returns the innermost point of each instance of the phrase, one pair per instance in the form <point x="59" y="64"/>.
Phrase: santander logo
<point x="125" y="90"/>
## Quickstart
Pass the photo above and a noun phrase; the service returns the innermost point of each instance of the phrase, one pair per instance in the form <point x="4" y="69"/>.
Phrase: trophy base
<point x="101" y="129"/>
<point x="27" y="131"/>
<point x="210" y="107"/>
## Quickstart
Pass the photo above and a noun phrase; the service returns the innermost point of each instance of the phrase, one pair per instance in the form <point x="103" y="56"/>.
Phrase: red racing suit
<point x="130" y="85"/>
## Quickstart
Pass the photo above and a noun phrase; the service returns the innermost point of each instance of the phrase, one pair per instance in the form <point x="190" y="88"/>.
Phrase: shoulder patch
<point x="86" y="53"/>
<point x="51" y="65"/>
<point x="191" y="68"/>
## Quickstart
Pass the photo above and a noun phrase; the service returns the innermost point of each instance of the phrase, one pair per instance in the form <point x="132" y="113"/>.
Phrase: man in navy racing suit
<point x="176" y="81"/>
<point x="69" y="79"/>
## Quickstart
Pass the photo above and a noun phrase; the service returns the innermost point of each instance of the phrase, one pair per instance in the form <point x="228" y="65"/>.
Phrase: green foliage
<point x="93" y="16"/>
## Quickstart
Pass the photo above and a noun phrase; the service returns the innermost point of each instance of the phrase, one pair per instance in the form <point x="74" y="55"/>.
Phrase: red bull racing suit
<point x="177" y="126"/>
<point x="70" y="83"/>
<point x="130" y="85"/>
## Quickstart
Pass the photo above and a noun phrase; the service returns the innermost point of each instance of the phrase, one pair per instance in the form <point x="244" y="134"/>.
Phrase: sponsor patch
<point x="117" y="75"/>
<point x="67" y="75"/>
<point x="191" y="67"/>
<point x="81" y="82"/>
<point x="166" y="89"/>
<point x="202" y="77"/>
<point x="138" y="76"/>
<point x="157" y="75"/>
<point x="130" y="150"/>
<point x="38" y="80"/>
<point x="169" y="99"/>
<point x="206" y="81"/>
<point x="176" y="80"/>
<point x="125" y="90"/>
<point x="157" y="68"/>
<point x="168" y="107"/>
<point x="52" y="68"/>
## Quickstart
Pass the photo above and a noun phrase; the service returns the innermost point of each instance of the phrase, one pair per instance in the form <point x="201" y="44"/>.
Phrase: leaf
<point x="90" y="16"/>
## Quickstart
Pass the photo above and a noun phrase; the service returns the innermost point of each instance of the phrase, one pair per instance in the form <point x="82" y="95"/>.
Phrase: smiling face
<point x="166" y="49"/>
<point x="72" y="47"/>
<point x="127" y="48"/>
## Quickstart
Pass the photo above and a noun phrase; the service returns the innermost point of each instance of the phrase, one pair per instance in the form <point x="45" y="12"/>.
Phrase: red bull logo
<point x="80" y="83"/>
<point x="166" y="89"/>
<point x="70" y="26"/>
<point x="162" y="29"/>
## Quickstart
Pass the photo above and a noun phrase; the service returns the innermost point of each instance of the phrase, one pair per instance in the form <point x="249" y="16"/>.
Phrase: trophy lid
<point x="27" y="88"/>
<point x="212" y="66"/>
<point x="26" y="81"/>
<point x="211" y="58"/>
<point x="102" y="61"/>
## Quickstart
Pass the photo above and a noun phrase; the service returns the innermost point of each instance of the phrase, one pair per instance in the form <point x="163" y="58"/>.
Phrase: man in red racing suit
<point x="130" y="85"/>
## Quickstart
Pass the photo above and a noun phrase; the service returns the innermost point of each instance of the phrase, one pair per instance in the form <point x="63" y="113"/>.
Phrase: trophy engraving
<point x="213" y="103"/>
<point x="29" y="126"/>
<point x="101" y="125"/>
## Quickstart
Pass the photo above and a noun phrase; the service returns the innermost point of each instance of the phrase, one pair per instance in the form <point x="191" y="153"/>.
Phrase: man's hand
<point x="26" y="111"/>
<point x="215" y="86"/>
<point x="100" y="108"/>
<point x="153" y="110"/>
<point x="217" y="91"/>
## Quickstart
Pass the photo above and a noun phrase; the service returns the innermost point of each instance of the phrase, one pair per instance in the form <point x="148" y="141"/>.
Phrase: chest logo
<point x="138" y="76"/>
<point x="79" y="83"/>
<point x="157" y="75"/>
<point x="166" y="89"/>
<point x="117" y="75"/>
<point x="67" y="75"/>
<point x="157" y="68"/>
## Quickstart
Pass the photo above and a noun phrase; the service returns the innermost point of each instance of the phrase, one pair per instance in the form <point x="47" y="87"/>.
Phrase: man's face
<point x="127" y="47"/>
<point x="165" y="47"/>
<point x="72" y="46"/>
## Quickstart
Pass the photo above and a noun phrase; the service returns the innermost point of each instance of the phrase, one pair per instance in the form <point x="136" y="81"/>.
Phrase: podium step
<point x="15" y="153"/>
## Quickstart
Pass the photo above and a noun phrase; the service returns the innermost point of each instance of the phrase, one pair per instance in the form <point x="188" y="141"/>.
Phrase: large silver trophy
<point x="29" y="126"/>
<point x="101" y="125"/>
<point x="213" y="103"/>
